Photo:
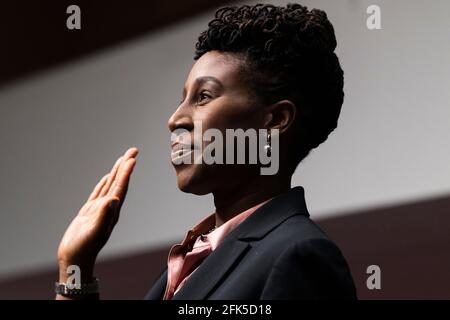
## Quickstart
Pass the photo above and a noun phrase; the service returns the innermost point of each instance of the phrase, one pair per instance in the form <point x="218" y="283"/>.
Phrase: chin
<point x="192" y="179"/>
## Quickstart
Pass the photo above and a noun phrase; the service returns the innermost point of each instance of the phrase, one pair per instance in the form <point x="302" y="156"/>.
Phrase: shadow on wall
<point x="410" y="243"/>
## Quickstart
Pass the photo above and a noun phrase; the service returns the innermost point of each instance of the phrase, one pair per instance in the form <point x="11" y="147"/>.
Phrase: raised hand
<point x="91" y="228"/>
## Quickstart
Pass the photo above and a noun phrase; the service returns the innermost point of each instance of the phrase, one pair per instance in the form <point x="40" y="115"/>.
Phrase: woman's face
<point x="214" y="96"/>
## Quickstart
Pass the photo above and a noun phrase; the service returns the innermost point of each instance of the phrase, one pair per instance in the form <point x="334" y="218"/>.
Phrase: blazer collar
<point x="236" y="245"/>
<point x="272" y="214"/>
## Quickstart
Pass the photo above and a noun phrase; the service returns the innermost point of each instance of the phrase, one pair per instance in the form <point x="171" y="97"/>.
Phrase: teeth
<point x="180" y="152"/>
<point x="181" y="147"/>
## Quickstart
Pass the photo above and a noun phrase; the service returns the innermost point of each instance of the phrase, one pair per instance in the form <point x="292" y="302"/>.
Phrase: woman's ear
<point x="280" y="115"/>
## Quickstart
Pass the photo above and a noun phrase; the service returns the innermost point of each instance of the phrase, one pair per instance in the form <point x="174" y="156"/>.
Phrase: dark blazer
<point x="276" y="253"/>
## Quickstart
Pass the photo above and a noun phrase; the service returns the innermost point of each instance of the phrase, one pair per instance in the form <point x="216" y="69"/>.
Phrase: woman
<point x="264" y="68"/>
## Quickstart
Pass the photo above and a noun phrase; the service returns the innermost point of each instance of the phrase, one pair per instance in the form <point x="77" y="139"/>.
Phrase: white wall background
<point x="61" y="130"/>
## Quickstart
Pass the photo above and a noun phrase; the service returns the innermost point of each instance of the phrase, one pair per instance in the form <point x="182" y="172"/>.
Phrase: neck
<point x="233" y="201"/>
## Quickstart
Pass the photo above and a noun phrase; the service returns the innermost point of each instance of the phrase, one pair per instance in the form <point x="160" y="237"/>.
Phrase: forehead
<point x="225" y="67"/>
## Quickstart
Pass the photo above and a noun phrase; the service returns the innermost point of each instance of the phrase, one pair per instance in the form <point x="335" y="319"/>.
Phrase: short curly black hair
<point x="289" y="54"/>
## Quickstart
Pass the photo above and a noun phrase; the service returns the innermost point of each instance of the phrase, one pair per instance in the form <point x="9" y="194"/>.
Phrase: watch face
<point x="85" y="289"/>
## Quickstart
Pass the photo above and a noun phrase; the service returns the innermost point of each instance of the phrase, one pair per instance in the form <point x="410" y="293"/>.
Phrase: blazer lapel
<point x="212" y="270"/>
<point x="158" y="288"/>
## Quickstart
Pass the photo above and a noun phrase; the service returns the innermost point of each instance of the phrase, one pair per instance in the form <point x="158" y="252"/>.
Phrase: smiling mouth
<point x="178" y="155"/>
<point x="181" y="152"/>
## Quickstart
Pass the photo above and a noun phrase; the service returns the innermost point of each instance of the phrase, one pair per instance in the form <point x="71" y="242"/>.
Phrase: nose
<point x="180" y="119"/>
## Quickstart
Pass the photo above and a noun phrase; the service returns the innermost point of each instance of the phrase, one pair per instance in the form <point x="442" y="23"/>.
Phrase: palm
<point x="91" y="228"/>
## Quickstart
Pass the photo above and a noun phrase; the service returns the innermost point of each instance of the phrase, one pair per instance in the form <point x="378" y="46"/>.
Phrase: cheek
<point x="230" y="115"/>
<point x="223" y="116"/>
<point x="220" y="120"/>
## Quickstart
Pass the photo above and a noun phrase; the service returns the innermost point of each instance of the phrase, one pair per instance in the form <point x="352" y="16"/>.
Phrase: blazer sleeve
<point x="313" y="269"/>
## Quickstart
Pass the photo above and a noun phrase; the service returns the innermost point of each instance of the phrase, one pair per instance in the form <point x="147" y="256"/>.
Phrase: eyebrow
<point x="201" y="80"/>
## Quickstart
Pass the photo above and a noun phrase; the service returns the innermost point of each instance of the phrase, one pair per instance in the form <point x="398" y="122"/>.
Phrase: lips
<point x="181" y="152"/>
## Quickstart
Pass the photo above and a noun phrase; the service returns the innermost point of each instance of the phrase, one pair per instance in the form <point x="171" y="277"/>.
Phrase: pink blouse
<point x="184" y="258"/>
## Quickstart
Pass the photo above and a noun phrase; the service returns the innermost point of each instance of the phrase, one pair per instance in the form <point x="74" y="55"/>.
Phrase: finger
<point x="98" y="187"/>
<point x="123" y="179"/>
<point x="129" y="154"/>
<point x="132" y="152"/>
<point x="111" y="178"/>
<point x="112" y="188"/>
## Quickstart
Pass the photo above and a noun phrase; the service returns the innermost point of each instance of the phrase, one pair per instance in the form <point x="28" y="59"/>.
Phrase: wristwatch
<point x="84" y="289"/>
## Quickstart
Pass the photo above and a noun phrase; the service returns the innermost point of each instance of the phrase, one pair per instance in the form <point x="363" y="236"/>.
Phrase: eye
<point x="203" y="96"/>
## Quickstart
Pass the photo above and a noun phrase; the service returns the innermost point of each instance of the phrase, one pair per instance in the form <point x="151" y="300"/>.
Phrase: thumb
<point x="108" y="206"/>
<point x="114" y="206"/>
<point x="113" y="203"/>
